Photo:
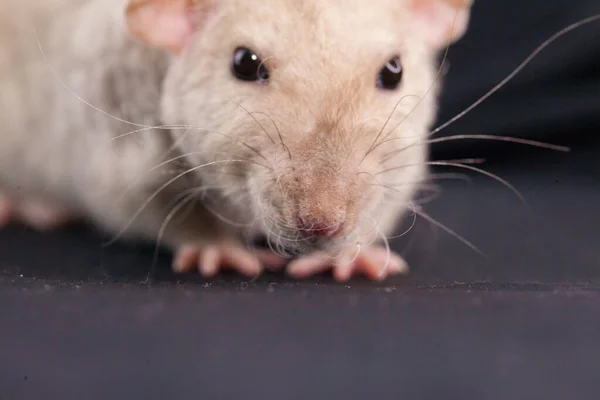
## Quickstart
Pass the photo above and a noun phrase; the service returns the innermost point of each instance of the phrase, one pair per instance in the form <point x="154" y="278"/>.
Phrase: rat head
<point x="312" y="114"/>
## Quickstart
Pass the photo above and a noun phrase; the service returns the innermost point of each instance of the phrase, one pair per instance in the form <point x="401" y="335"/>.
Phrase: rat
<point x="207" y="124"/>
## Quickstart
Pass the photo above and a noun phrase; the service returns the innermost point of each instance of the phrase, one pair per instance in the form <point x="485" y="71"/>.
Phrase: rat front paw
<point x="35" y="214"/>
<point x="376" y="263"/>
<point x="210" y="258"/>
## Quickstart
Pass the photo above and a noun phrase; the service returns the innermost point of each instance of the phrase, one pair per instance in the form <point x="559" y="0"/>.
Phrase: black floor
<point x="81" y="321"/>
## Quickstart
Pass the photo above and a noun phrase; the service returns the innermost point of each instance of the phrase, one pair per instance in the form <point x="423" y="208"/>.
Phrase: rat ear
<point x="442" y="22"/>
<point x="166" y="24"/>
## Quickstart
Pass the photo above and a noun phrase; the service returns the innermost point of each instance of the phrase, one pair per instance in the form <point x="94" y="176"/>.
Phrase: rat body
<point x="206" y="124"/>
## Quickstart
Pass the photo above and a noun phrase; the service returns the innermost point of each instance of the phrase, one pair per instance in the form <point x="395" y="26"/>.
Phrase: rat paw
<point x="210" y="258"/>
<point x="372" y="262"/>
<point x="42" y="216"/>
<point x="34" y="214"/>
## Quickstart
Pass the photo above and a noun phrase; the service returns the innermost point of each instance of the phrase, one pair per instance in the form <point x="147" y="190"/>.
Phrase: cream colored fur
<point x="66" y="101"/>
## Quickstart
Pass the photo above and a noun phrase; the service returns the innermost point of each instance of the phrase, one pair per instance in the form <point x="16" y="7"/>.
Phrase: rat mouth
<point x="304" y="244"/>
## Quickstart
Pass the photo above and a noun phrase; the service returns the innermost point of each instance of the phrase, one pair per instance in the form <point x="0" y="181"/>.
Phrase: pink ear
<point x="441" y="22"/>
<point x="166" y="24"/>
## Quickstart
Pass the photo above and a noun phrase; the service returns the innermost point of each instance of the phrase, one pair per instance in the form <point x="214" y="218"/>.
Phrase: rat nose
<point x="317" y="228"/>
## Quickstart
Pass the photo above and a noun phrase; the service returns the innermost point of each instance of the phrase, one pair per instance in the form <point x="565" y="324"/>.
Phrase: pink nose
<point x="317" y="228"/>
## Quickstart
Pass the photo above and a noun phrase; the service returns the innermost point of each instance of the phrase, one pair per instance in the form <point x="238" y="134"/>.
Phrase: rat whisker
<point x="392" y="188"/>
<point x="424" y="187"/>
<point x="225" y="187"/>
<point x="186" y="155"/>
<point x="508" y="139"/>
<point x="287" y="149"/>
<point x="376" y="224"/>
<point x="374" y="145"/>
<point x="176" y="142"/>
<point x="68" y="89"/>
<point x="448" y="176"/>
<point x="435" y="194"/>
<point x="165" y="128"/>
<point x="259" y="153"/>
<point x="505" y="81"/>
<point x="484" y="172"/>
<point x="190" y="128"/>
<point x="461" y="161"/>
<point x="276" y="221"/>
<point x="282" y="249"/>
<point x="182" y="200"/>
<point x="388" y="253"/>
<point x="174" y="170"/>
<point x="521" y="66"/>
<point x="410" y="228"/>
<point x="224" y="219"/>
<point x="160" y="189"/>
<point x="378" y="208"/>
<point x="255" y="120"/>
<point x="432" y="178"/>
<point x="423" y="198"/>
<point x="278" y="248"/>
<point x="463" y="164"/>
<point x="280" y="226"/>
<point x="270" y="245"/>
<point x="438" y="224"/>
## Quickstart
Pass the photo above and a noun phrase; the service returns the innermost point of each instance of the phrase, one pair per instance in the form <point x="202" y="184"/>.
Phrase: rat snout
<point x="322" y="208"/>
<point x="318" y="226"/>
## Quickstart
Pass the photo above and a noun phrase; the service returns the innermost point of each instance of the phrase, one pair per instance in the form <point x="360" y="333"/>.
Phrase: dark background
<point x="79" y="320"/>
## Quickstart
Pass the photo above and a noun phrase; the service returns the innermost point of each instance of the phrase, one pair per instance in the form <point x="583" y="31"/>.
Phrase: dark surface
<point x="82" y="321"/>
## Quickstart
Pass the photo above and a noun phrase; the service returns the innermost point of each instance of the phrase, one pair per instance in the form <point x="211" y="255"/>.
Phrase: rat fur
<point x="127" y="113"/>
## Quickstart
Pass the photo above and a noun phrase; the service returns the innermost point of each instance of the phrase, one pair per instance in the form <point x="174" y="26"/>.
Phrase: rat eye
<point x="247" y="66"/>
<point x="390" y="75"/>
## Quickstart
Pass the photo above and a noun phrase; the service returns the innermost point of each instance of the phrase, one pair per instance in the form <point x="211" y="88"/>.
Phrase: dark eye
<point x="247" y="66"/>
<point x="390" y="75"/>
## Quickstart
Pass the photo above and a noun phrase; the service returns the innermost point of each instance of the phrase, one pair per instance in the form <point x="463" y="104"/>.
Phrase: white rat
<point x="206" y="124"/>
